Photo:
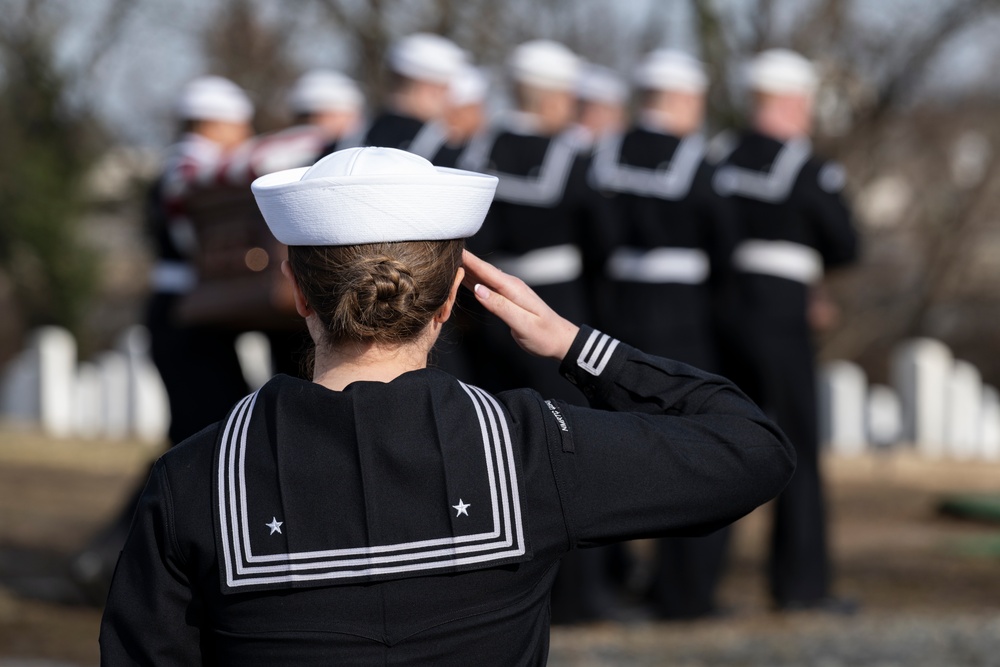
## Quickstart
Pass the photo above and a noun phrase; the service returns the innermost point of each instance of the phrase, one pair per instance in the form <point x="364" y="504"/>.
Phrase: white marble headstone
<point x="114" y="374"/>
<point x="885" y="416"/>
<point x="989" y="425"/>
<point x="56" y="358"/>
<point x="842" y="394"/>
<point x="148" y="406"/>
<point x="962" y="416"/>
<point x="921" y="373"/>
<point x="88" y="408"/>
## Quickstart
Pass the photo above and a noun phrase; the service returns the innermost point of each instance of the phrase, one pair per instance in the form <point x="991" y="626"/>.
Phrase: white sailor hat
<point x="324" y="90"/>
<point x="781" y="71"/>
<point x="426" y="57"/>
<point x="213" y="98"/>
<point x="468" y="86"/>
<point x="544" y="64"/>
<point x="671" y="70"/>
<point x="601" y="84"/>
<point x="373" y="195"/>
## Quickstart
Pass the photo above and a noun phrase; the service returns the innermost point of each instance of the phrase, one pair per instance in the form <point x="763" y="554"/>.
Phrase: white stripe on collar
<point x="774" y="186"/>
<point x="672" y="181"/>
<point x="244" y="569"/>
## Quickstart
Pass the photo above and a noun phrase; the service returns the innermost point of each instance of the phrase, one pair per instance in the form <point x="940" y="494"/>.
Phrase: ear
<point x="301" y="305"/>
<point x="443" y="313"/>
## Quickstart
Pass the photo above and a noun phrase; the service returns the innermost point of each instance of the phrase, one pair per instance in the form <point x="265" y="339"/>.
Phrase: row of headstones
<point x="117" y="395"/>
<point x="937" y="404"/>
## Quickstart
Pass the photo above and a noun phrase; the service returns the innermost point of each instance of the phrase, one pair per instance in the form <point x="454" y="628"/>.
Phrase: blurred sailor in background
<point x="794" y="225"/>
<point x="546" y="227"/>
<point x="214" y="116"/>
<point x="674" y="236"/>
<point x="602" y="96"/>
<point x="422" y="66"/>
<point x="465" y="116"/>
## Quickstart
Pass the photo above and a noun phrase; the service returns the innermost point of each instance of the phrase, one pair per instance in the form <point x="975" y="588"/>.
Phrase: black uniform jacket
<point x="420" y="521"/>
<point x="794" y="225"/>
<point x="673" y="237"/>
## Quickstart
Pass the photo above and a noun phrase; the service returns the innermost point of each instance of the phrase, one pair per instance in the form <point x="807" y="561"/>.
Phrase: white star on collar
<point x="275" y="525"/>
<point x="462" y="508"/>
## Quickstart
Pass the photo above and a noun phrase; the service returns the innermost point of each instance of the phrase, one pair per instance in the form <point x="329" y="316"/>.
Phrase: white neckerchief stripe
<point x="596" y="352"/>
<point x="672" y="182"/>
<point x="242" y="568"/>
<point x="774" y="186"/>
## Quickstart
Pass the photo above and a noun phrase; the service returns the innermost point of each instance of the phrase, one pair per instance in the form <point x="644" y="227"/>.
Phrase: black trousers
<point x="199" y="368"/>
<point x="783" y="383"/>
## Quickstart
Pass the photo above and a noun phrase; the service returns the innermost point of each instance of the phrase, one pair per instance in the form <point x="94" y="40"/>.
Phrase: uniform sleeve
<point x="152" y="616"/>
<point x="825" y="205"/>
<point x="665" y="449"/>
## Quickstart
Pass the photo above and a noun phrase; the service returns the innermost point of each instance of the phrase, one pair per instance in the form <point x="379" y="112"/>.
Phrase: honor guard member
<point x="669" y="265"/>
<point x="465" y="117"/>
<point x="545" y="227"/>
<point x="601" y="99"/>
<point x="422" y="67"/>
<point x="545" y="224"/>
<point x="794" y="225"/>
<point x="214" y="115"/>
<point x="386" y="513"/>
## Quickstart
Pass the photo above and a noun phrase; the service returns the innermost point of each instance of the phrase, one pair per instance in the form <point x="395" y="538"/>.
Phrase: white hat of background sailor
<point x="372" y="195"/>
<point x="324" y="90"/>
<point x="601" y="84"/>
<point x="545" y="64"/>
<point x="671" y="70"/>
<point x="468" y="86"/>
<point x="781" y="71"/>
<point x="426" y="57"/>
<point x="213" y="98"/>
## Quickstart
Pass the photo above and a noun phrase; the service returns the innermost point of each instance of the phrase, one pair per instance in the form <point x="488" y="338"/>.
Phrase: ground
<point x="929" y="585"/>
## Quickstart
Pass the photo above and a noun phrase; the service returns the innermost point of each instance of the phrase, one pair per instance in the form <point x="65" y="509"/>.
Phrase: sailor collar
<point x="381" y="481"/>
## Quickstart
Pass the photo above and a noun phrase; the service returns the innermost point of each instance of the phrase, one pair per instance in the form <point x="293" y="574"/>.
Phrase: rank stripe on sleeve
<point x="244" y="569"/>
<point x="596" y="352"/>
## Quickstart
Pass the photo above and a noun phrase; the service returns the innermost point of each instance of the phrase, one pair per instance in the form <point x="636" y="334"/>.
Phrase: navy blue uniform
<point x="673" y="236"/>
<point x="794" y="225"/>
<point x="304" y="529"/>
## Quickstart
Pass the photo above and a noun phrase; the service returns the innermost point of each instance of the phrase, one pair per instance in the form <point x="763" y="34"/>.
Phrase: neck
<point x="338" y="366"/>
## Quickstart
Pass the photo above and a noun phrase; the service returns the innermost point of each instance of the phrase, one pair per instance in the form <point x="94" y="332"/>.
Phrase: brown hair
<point x="376" y="292"/>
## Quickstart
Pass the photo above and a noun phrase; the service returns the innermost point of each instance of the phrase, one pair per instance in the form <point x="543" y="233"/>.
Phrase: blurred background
<point x="909" y="104"/>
